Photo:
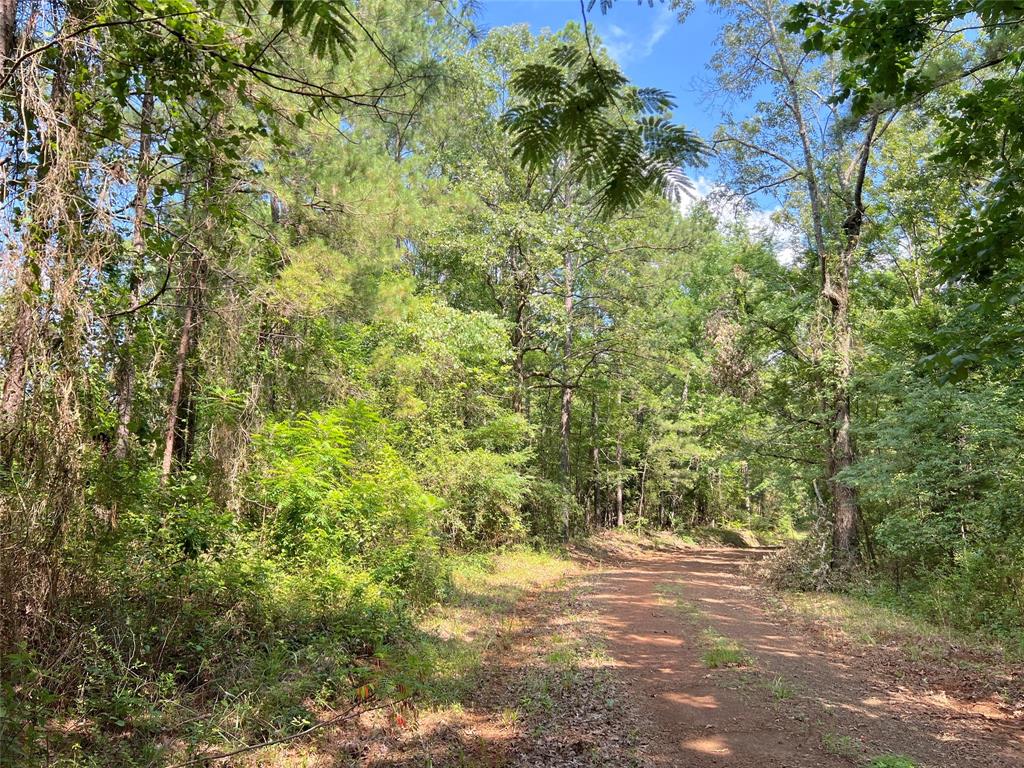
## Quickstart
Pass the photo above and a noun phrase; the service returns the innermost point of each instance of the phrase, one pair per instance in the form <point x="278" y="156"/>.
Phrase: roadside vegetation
<point x="323" y="324"/>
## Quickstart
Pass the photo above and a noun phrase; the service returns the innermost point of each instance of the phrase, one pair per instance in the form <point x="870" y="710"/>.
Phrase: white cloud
<point x="625" y="47"/>
<point x="663" y="22"/>
<point x="732" y="209"/>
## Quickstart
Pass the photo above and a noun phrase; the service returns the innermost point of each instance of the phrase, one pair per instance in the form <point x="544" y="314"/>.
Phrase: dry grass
<point x="845" y="618"/>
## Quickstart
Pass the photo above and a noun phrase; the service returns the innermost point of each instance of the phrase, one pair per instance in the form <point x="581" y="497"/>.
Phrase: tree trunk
<point x="643" y="481"/>
<point x="179" y="426"/>
<point x="8" y="31"/>
<point x="519" y="357"/>
<point x="124" y="376"/>
<point x="841" y="455"/>
<point x="596" y="459"/>
<point x="13" y="395"/>
<point x="565" y="422"/>
<point x="836" y="288"/>
<point x="747" y="505"/>
<point x="564" y="435"/>
<point x="619" y="515"/>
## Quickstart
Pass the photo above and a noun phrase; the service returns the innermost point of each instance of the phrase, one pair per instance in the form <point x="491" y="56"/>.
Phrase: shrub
<point x="342" y="500"/>
<point x="484" y="492"/>
<point x="548" y="507"/>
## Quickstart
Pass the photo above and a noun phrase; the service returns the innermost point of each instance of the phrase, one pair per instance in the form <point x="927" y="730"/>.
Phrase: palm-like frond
<point x="325" y="23"/>
<point x="618" y="137"/>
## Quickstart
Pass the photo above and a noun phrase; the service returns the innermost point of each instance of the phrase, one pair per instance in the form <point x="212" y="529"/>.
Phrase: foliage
<point x="961" y="58"/>
<point x="343" y="501"/>
<point x="303" y="302"/>
<point x="616" y="138"/>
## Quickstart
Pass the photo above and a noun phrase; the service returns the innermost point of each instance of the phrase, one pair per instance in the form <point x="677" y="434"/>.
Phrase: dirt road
<point x="793" y="701"/>
<point x="673" y="658"/>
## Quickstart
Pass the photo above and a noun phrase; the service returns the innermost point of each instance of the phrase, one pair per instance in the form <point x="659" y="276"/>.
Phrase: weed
<point x="840" y="744"/>
<point x="511" y="717"/>
<point x="892" y="761"/>
<point x="672" y="593"/>
<point x="781" y="690"/>
<point x="564" y="658"/>
<point x="723" y="652"/>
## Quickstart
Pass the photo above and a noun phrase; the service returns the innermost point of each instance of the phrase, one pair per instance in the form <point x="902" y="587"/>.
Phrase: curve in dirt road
<point x="727" y="683"/>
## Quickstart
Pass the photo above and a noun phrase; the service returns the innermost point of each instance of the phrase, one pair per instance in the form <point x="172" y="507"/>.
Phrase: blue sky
<point x="648" y="43"/>
<point x="653" y="50"/>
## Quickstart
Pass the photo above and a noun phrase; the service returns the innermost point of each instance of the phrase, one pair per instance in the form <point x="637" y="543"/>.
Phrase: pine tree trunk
<point x="179" y="426"/>
<point x="596" y="460"/>
<point x="619" y="512"/>
<point x="8" y="31"/>
<point x="565" y="423"/>
<point x="124" y="375"/>
<point x="643" y="482"/>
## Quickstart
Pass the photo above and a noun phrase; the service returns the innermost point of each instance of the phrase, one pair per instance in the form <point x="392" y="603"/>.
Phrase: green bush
<point x="940" y="480"/>
<point x="484" y="493"/>
<point x="255" y="614"/>
<point x="548" y="507"/>
<point x="342" y="501"/>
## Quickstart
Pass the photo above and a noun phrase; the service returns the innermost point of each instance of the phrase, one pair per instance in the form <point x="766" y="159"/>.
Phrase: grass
<point x="841" y="745"/>
<point x="455" y="636"/>
<point x="722" y="652"/>
<point x="870" y="622"/>
<point x="892" y="761"/>
<point x="780" y="689"/>
<point x="628" y="543"/>
<point x="673" y="594"/>
<point x="442" y="660"/>
<point x="719" y="652"/>
<point x="511" y="717"/>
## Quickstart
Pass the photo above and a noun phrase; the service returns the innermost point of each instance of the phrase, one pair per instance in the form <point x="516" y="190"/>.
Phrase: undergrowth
<point x="205" y="664"/>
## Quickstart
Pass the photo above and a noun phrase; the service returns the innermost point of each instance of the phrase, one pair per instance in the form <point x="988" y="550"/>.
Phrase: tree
<point x="962" y="57"/>
<point x="825" y="172"/>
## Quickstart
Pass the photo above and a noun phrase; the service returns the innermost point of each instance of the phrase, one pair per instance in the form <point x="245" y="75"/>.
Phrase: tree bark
<point x="835" y="289"/>
<point x="520" y="330"/>
<point x="620" y="518"/>
<point x="565" y="422"/>
<point x="619" y="512"/>
<point x="845" y="550"/>
<point x="596" y="459"/>
<point x="643" y="482"/>
<point x="179" y="425"/>
<point x="8" y="31"/>
<point x="13" y="395"/>
<point x="519" y="357"/>
<point x="124" y="376"/>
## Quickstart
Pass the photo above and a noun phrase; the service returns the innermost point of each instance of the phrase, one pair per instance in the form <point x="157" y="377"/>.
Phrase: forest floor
<point x="649" y="653"/>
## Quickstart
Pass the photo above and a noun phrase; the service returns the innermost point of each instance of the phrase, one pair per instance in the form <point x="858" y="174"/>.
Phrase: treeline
<point x="299" y="298"/>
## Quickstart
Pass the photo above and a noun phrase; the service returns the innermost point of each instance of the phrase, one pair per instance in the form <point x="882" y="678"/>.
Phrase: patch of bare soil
<point x="794" y="700"/>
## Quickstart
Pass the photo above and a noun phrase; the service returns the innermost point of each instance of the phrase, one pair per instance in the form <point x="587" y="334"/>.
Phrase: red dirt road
<point x="799" y="703"/>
